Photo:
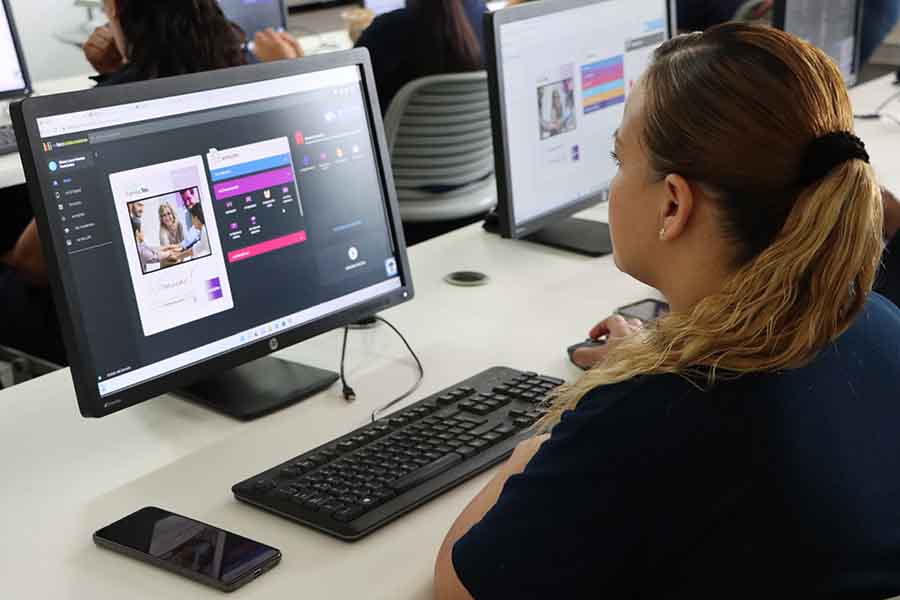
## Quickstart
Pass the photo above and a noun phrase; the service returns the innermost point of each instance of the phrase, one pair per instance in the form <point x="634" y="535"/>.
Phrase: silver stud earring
<point x="662" y="233"/>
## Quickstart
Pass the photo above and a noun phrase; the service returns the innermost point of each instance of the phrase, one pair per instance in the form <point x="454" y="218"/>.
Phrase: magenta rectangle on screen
<point x="253" y="183"/>
<point x="265" y="247"/>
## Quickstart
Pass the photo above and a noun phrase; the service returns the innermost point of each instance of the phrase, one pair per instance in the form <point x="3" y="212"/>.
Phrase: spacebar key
<point x="427" y="472"/>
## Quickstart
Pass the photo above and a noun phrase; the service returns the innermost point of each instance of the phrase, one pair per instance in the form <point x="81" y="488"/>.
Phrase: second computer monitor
<point x="384" y="6"/>
<point x="253" y="16"/>
<point x="560" y="73"/>
<point x="834" y="26"/>
<point x="14" y="80"/>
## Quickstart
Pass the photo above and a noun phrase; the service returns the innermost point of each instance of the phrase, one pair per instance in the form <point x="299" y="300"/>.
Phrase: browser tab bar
<point x="124" y="114"/>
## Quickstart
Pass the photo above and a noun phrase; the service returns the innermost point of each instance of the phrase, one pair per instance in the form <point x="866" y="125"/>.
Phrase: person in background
<point x="148" y="40"/>
<point x="745" y="445"/>
<point x="879" y="18"/>
<point x="888" y="283"/>
<point x="428" y="37"/>
<point x="29" y="323"/>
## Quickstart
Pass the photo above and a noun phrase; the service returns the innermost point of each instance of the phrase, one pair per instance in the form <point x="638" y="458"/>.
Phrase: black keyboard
<point x="7" y="140"/>
<point x="355" y="484"/>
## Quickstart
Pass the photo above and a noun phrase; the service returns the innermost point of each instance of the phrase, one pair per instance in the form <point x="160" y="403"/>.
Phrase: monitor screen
<point x="255" y="15"/>
<point x="563" y="77"/>
<point x="188" y="226"/>
<point x="13" y="77"/>
<point x="383" y="6"/>
<point x="832" y="26"/>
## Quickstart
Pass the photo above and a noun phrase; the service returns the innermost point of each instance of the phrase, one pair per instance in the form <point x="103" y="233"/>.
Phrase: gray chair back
<point x="438" y="130"/>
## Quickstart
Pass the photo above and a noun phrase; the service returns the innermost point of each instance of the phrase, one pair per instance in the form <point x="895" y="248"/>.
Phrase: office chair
<point x="439" y="135"/>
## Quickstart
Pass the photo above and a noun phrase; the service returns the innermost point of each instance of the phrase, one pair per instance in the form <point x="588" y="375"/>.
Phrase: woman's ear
<point x="677" y="208"/>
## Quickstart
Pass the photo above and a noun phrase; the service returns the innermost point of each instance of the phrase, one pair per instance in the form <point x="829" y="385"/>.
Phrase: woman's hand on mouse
<point x="616" y="328"/>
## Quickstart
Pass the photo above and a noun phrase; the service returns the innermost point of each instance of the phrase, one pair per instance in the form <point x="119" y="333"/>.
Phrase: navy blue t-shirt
<point x="771" y="485"/>
<point x="401" y="53"/>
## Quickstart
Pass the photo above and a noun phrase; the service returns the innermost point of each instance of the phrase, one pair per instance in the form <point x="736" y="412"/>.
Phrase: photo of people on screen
<point x="556" y="108"/>
<point x="169" y="230"/>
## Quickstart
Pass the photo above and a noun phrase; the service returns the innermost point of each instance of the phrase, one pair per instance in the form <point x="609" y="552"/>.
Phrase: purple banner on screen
<point x="253" y="183"/>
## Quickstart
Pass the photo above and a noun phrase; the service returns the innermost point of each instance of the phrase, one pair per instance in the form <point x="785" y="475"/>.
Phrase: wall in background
<point x="39" y="22"/>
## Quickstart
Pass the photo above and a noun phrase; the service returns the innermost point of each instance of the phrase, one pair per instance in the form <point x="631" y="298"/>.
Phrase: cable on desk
<point x="350" y="395"/>
<point x="879" y="110"/>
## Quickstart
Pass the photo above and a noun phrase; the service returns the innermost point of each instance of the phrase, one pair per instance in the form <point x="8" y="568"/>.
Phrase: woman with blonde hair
<point x="746" y="445"/>
<point x="171" y="231"/>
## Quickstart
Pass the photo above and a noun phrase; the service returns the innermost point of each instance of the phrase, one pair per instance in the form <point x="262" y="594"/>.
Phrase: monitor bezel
<point x="507" y="225"/>
<point x="20" y="54"/>
<point x="779" y="18"/>
<point x="25" y="114"/>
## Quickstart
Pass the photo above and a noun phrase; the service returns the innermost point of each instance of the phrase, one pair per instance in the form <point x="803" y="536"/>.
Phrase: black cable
<point x="879" y="110"/>
<point x="350" y="395"/>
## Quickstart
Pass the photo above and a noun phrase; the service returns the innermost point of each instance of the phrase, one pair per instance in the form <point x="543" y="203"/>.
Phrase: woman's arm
<point x="447" y="584"/>
<point x="27" y="257"/>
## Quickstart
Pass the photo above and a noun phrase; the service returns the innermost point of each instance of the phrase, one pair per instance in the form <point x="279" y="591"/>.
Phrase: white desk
<point x="64" y="477"/>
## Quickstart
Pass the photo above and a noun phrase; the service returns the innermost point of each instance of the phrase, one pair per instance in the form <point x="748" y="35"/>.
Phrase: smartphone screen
<point x="645" y="310"/>
<point x="210" y="553"/>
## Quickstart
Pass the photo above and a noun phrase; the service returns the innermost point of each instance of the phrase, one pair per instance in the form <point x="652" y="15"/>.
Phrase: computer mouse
<point x="588" y="343"/>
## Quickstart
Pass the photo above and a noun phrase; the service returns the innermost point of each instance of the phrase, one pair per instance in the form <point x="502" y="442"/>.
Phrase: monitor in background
<point x="560" y="72"/>
<point x="379" y="7"/>
<point x="253" y="16"/>
<point x="14" y="79"/>
<point x="196" y="223"/>
<point x="834" y="26"/>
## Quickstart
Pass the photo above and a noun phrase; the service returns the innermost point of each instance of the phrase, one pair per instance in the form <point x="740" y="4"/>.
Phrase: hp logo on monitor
<point x="273" y="344"/>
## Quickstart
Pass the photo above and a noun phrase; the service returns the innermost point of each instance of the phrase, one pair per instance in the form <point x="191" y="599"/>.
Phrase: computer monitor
<point x="196" y="223"/>
<point x="559" y="74"/>
<point x="834" y="26"/>
<point x="379" y="7"/>
<point x="14" y="79"/>
<point x="253" y="16"/>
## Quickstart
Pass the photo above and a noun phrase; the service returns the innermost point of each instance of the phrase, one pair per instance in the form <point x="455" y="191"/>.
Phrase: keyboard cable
<point x="350" y="395"/>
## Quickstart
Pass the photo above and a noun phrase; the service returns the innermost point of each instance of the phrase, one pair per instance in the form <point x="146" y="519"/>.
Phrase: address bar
<point x="87" y="120"/>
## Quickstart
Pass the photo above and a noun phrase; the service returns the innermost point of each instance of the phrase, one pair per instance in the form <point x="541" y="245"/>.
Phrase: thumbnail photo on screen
<point x="556" y="108"/>
<point x="169" y="230"/>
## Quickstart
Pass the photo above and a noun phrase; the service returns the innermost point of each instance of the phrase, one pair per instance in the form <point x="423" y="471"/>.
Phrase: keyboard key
<point x="523" y="422"/>
<point x="446" y="400"/>
<point x="367" y="502"/>
<point x="331" y="507"/>
<point x="479" y="444"/>
<point x="347" y="514"/>
<point x="466" y="451"/>
<point x="290" y="472"/>
<point x="504" y="430"/>
<point x="427" y="472"/>
<point x="491" y="437"/>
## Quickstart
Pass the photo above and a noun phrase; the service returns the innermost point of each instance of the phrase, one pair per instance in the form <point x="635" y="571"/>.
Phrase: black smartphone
<point x="201" y="552"/>
<point x="646" y="310"/>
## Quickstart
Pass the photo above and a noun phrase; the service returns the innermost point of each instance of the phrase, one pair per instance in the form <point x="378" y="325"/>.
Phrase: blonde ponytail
<point x="803" y="289"/>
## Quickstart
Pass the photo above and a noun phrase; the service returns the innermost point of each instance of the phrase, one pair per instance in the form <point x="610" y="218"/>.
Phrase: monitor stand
<point x="577" y="235"/>
<point x="260" y="387"/>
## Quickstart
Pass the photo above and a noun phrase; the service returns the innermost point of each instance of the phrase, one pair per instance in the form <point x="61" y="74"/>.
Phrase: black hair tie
<point x="827" y="152"/>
